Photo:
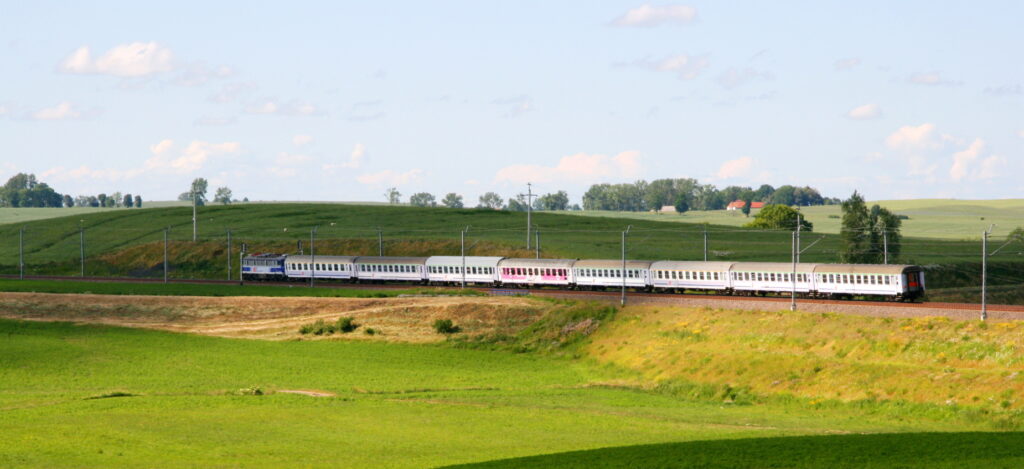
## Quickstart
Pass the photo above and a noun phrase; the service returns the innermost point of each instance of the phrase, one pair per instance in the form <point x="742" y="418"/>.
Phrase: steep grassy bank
<point x="745" y="355"/>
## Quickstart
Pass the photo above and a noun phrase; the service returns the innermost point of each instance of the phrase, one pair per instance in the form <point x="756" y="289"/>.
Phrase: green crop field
<point x="91" y="396"/>
<point x="20" y="215"/>
<point x="130" y="242"/>
<point x="928" y="218"/>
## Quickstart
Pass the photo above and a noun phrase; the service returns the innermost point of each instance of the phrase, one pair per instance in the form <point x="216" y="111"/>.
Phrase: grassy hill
<point x="129" y="242"/>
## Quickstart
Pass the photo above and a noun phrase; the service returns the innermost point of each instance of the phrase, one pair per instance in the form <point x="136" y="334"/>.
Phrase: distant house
<point x="668" y="209"/>
<point x="738" y="204"/>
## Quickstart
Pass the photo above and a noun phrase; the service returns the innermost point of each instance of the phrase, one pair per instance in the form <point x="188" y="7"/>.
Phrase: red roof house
<point x="738" y="204"/>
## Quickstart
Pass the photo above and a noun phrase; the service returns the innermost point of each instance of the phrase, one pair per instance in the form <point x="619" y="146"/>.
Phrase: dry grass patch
<point x="277" y="318"/>
<point x="824" y="356"/>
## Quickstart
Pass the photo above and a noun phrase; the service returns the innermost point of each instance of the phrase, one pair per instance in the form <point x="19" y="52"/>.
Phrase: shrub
<point x="347" y="324"/>
<point x="370" y="331"/>
<point x="317" y="328"/>
<point x="446" y="326"/>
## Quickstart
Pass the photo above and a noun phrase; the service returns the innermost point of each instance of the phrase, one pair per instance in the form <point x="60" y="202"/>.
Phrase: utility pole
<point x="464" y="257"/>
<point x="885" y="246"/>
<point x="380" y="242"/>
<point x="705" y="242"/>
<point x="165" y="254"/>
<point x="984" y="271"/>
<point x="529" y="211"/>
<point x="21" y="253"/>
<point x="537" y="244"/>
<point x="81" y="248"/>
<point x="241" y="263"/>
<point x="798" y="226"/>
<point x="229" y="254"/>
<point x="195" y="226"/>
<point x="622" y="302"/>
<point x="796" y="253"/>
<point x="312" y="255"/>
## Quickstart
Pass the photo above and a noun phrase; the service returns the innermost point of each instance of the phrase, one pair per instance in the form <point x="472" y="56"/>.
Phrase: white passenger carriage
<point x="526" y="272"/>
<point x="771" y="277"/>
<point x="385" y="269"/>
<point x="591" y="274"/>
<point x="686" y="275"/>
<point x="323" y="267"/>
<point x="893" y="281"/>
<point x="448" y="269"/>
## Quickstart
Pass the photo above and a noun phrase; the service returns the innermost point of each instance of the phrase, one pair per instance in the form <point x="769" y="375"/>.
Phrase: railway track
<point x="595" y="295"/>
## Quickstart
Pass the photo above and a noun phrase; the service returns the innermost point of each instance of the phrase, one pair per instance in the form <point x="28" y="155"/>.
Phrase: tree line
<point x="25" y="190"/>
<point x="689" y="194"/>
<point x="491" y="200"/>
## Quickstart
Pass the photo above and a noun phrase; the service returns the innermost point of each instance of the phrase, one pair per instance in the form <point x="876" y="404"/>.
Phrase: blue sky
<point x="338" y="101"/>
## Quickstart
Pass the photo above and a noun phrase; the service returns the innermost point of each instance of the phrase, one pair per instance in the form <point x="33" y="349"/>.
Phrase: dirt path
<point x="399" y="319"/>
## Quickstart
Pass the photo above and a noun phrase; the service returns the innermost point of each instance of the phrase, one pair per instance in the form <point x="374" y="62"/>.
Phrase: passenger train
<point x="841" y="281"/>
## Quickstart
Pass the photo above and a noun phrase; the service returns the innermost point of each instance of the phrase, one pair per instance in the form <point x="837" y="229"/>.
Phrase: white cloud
<point x="962" y="159"/>
<point x="136" y="59"/>
<point x="867" y="111"/>
<point x="300" y="140"/>
<point x="161" y="147"/>
<point x="735" y="168"/>
<point x="1005" y="90"/>
<point x="931" y="79"/>
<point x="687" y="67"/>
<point x="910" y="137"/>
<point x="991" y="167"/>
<point x="64" y="110"/>
<point x="389" y="177"/>
<point x="735" y="77"/>
<point x="649" y="15"/>
<point x="192" y="158"/>
<point x="1020" y="133"/>
<point x="291" y="108"/>
<point x="355" y="159"/>
<point x="847" y="64"/>
<point x="580" y="167"/>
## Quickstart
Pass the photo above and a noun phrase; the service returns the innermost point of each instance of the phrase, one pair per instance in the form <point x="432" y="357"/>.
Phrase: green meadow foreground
<point x="561" y="384"/>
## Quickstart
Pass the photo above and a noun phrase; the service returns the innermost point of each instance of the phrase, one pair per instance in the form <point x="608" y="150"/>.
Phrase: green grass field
<point x="19" y="215"/>
<point x="88" y="396"/>
<point x="929" y="218"/>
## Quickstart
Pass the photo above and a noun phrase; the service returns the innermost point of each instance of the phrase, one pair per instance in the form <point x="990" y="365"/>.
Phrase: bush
<point x="370" y="331"/>
<point x="446" y="326"/>
<point x="347" y="324"/>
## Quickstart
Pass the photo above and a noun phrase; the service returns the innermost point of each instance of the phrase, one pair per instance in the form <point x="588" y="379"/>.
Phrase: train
<point x="809" y="280"/>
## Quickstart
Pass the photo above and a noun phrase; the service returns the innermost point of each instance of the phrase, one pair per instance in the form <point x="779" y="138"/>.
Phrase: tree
<point x="748" y="202"/>
<point x="557" y="201"/>
<point x="764" y="193"/>
<point x="129" y="201"/>
<point x="452" y="200"/>
<point x="682" y="206"/>
<point x="198" y="190"/>
<point x="138" y="201"/>
<point x="1017" y="235"/>
<point x="23" y="190"/>
<point x="779" y="217"/>
<point x="491" y="200"/>
<point x="517" y="204"/>
<point x="885" y="234"/>
<point x="854" y="234"/>
<point x="116" y="198"/>
<point x="245" y="200"/>
<point x="223" y="196"/>
<point x="68" y="201"/>
<point x="94" y="201"/>
<point x="422" y="199"/>
<point x="393" y="196"/>
<point x="102" y="198"/>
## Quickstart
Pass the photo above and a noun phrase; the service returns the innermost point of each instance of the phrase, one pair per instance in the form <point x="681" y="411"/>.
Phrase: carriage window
<point x="885" y="278"/>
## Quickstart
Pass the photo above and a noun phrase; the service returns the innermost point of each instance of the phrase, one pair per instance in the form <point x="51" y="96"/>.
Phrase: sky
<point x="341" y="100"/>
